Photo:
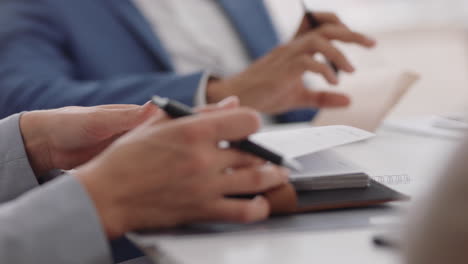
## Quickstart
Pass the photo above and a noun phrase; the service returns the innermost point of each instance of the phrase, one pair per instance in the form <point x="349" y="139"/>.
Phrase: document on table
<point x="301" y="141"/>
<point x="385" y="88"/>
<point x="328" y="170"/>
<point x="436" y="126"/>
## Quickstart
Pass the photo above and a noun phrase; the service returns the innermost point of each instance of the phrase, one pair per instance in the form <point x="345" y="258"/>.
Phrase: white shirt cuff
<point x="200" y="96"/>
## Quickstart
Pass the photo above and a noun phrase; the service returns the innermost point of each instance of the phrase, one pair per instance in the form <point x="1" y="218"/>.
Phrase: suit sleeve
<point x="55" y="223"/>
<point x="37" y="73"/>
<point x="16" y="175"/>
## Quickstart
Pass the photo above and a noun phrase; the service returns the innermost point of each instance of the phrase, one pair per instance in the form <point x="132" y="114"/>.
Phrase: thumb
<point x="116" y="119"/>
<point x="324" y="99"/>
<point x="228" y="103"/>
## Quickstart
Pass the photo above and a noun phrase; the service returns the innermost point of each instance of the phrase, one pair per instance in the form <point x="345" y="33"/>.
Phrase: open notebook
<point x="323" y="169"/>
<point x="327" y="170"/>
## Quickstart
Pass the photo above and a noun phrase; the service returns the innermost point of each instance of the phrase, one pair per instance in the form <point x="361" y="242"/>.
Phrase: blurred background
<point x="429" y="37"/>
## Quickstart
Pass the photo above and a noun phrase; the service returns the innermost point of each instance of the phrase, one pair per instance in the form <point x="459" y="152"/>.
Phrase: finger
<point x="310" y="64"/>
<point x="232" y="158"/>
<point x="314" y="42"/>
<point x="158" y="118"/>
<point x="324" y="99"/>
<point x="117" y="106"/>
<point x="227" y="125"/>
<point x="323" y="18"/>
<point x="333" y="32"/>
<point x="114" y="119"/>
<point x="253" y="180"/>
<point x="230" y="102"/>
<point x="237" y="210"/>
<point x="225" y="160"/>
<point x="328" y="18"/>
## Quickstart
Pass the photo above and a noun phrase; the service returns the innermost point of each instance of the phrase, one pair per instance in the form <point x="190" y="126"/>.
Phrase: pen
<point x="385" y="241"/>
<point x="315" y="23"/>
<point x="176" y="109"/>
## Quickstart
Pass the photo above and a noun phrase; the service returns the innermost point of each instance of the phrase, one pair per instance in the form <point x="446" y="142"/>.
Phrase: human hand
<point x="168" y="173"/>
<point x="68" y="137"/>
<point x="273" y="84"/>
<point x="332" y="28"/>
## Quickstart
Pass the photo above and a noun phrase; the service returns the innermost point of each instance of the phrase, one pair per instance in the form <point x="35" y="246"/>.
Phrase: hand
<point x="333" y="28"/>
<point x="273" y="84"/>
<point x="68" y="137"/>
<point x="168" y="173"/>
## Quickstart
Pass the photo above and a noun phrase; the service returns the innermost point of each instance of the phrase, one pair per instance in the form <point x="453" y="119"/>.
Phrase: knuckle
<point x="194" y="133"/>
<point x="200" y="162"/>
<point x="322" y="68"/>
<point x="334" y="17"/>
<point x="257" y="179"/>
<point x="303" y="61"/>
<point x="312" y="36"/>
<point x="326" y="28"/>
<point x="335" y="54"/>
<point x="250" y="118"/>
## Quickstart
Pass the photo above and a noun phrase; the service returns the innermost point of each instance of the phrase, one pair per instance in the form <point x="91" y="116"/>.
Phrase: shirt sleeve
<point x="16" y="174"/>
<point x="54" y="223"/>
<point x="200" y="95"/>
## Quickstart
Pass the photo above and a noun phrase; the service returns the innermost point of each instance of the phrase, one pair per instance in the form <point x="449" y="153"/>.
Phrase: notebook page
<point x="325" y="163"/>
<point x="301" y="141"/>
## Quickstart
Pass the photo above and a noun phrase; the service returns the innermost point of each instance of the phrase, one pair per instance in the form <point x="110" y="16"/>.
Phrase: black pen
<point x="313" y="24"/>
<point x="386" y="241"/>
<point x="176" y="109"/>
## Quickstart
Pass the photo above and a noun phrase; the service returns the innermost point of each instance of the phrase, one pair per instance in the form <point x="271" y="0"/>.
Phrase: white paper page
<point x="385" y="86"/>
<point x="424" y="126"/>
<point x="297" y="142"/>
<point x="325" y="163"/>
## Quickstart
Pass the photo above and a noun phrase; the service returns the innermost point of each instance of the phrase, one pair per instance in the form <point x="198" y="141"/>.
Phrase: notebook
<point x="322" y="168"/>
<point x="327" y="170"/>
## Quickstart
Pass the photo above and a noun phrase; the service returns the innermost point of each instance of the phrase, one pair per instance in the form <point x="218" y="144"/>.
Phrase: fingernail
<point x="260" y="209"/>
<point x="371" y="41"/>
<point x="350" y="68"/>
<point x="149" y="105"/>
<point x="259" y="202"/>
<point x="278" y="173"/>
<point x="334" y="79"/>
<point x="258" y="199"/>
<point x="228" y="100"/>
<point x="285" y="173"/>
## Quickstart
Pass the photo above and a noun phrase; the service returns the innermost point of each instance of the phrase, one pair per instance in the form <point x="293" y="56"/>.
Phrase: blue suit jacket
<point x="55" y="53"/>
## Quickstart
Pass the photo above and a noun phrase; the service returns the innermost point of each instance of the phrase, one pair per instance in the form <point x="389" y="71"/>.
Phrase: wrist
<point x="216" y="90"/>
<point x="32" y="126"/>
<point x="110" y="211"/>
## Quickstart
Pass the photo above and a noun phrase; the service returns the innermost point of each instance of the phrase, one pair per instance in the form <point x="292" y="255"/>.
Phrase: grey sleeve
<point x="16" y="175"/>
<point x="54" y="223"/>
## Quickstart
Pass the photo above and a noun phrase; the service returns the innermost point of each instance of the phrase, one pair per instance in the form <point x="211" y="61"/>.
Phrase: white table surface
<point x="325" y="237"/>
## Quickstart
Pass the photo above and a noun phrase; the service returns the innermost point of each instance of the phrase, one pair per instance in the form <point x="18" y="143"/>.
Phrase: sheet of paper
<point x="373" y="95"/>
<point x="325" y="163"/>
<point x="424" y="126"/>
<point x="300" y="141"/>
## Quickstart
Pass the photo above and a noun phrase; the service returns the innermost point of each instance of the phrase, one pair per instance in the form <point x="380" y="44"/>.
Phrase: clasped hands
<point x="143" y="170"/>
